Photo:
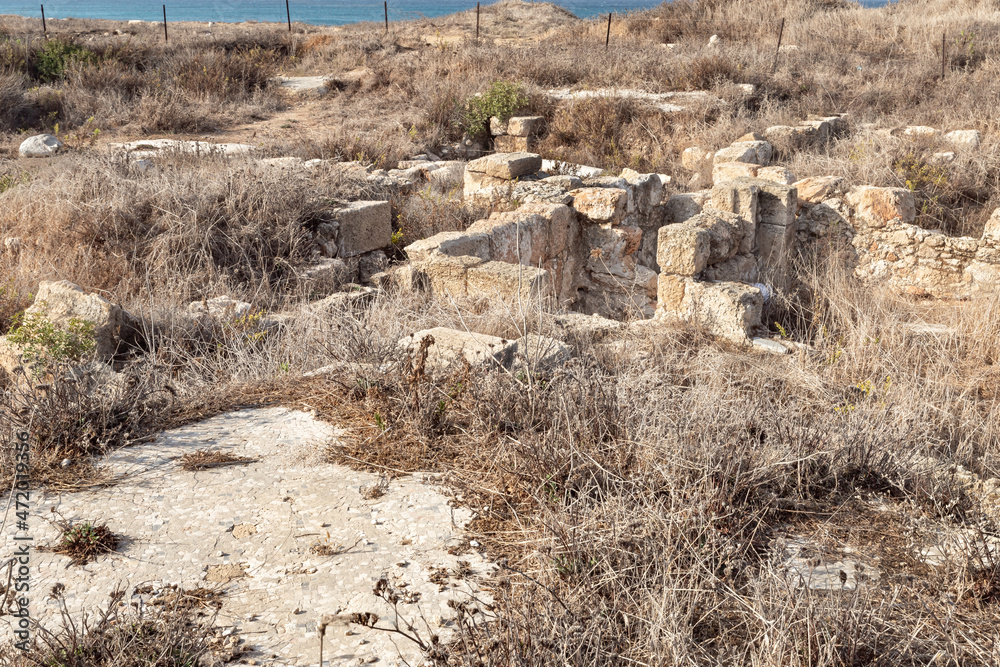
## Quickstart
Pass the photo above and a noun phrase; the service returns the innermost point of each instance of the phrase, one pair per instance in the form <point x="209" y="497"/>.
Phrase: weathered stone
<point x="696" y="159"/>
<point x="519" y="192"/>
<point x="775" y="246"/>
<point x="751" y="136"/>
<point x="564" y="181"/>
<point x="914" y="131"/>
<point x="776" y="174"/>
<point x="506" y="166"/>
<point x="444" y="276"/>
<point x="646" y="191"/>
<point x="965" y="138"/>
<point x="608" y="250"/>
<point x="325" y="275"/>
<point x="753" y="152"/>
<point x="449" y="345"/>
<point x="600" y="205"/>
<point x="498" y="128"/>
<point x="777" y="203"/>
<point x="364" y="226"/>
<point x="509" y="143"/>
<point x="991" y="232"/>
<point x="726" y="231"/>
<point x="725" y="309"/>
<point x="453" y="244"/>
<point x="787" y="139"/>
<point x="40" y="145"/>
<point x="683" y="249"/>
<point x="824" y="131"/>
<point x="605" y="181"/>
<point x="739" y="196"/>
<point x="728" y="171"/>
<point x="526" y="126"/>
<point x="446" y="174"/>
<point x="512" y="283"/>
<point x="820" y="188"/>
<point x="876" y="207"/>
<point x="681" y="207"/>
<point x="61" y="302"/>
<point x="739" y="268"/>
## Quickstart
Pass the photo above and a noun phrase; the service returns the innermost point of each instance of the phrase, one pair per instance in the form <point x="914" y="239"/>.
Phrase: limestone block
<point x="565" y="181"/>
<point x="498" y="128"/>
<point x="560" y="225"/>
<point x="364" y="226"/>
<point x="474" y="181"/>
<point x="776" y="174"/>
<point x="507" y="166"/>
<point x="915" y="131"/>
<point x="40" y="145"/>
<point x="777" y="203"/>
<point x="526" y="126"/>
<point x="726" y="233"/>
<point x="509" y="143"/>
<point x="965" y="138"/>
<point x="683" y="249"/>
<point x="513" y="283"/>
<point x="838" y="122"/>
<point x="696" y="159"/>
<point x="600" y="205"/>
<point x="740" y="197"/>
<point x="670" y="293"/>
<point x="608" y="246"/>
<point x="991" y="233"/>
<point x="445" y="276"/>
<point x="875" y="207"/>
<point x="522" y="192"/>
<point x="775" y="246"/>
<point x="61" y="302"/>
<point x="740" y="268"/>
<point x="824" y="131"/>
<point x="605" y="181"/>
<point x="646" y="190"/>
<point x="450" y="345"/>
<point x="753" y="152"/>
<point x="511" y="236"/>
<point x="820" y="188"/>
<point x="787" y="138"/>
<point x="681" y="207"/>
<point x="453" y="244"/>
<point x="728" y="171"/>
<point x="726" y="309"/>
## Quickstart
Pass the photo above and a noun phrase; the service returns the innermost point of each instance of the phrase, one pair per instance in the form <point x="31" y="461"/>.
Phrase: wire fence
<point x="770" y="33"/>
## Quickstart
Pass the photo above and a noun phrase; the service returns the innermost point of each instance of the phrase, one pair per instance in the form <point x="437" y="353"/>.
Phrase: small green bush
<point x="56" y="56"/>
<point x="502" y="99"/>
<point x="46" y="344"/>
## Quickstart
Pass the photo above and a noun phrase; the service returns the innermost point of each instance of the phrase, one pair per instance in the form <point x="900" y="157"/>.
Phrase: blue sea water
<point x="319" y="12"/>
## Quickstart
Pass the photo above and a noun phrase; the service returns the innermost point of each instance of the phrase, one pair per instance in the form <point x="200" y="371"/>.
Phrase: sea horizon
<point x="315" y="12"/>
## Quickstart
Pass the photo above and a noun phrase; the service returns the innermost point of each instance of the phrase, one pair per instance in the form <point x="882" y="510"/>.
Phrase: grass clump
<point x="83" y="542"/>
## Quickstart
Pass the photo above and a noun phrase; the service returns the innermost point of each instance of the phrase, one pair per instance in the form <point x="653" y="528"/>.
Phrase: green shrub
<point x="46" y="344"/>
<point x="56" y="57"/>
<point x="503" y="99"/>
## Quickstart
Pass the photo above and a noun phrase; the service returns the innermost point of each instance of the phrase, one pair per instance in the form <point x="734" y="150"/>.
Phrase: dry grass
<point x="204" y="460"/>
<point x="641" y="497"/>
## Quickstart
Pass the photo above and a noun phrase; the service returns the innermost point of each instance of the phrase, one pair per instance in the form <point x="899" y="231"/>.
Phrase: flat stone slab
<point x="304" y="84"/>
<point x="152" y="147"/>
<point x="252" y="530"/>
<point x="666" y="102"/>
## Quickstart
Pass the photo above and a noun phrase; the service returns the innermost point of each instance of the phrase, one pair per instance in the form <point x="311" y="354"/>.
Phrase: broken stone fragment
<point x="600" y="205"/>
<point x="61" y="302"/>
<point x="752" y="152"/>
<point x="525" y="126"/>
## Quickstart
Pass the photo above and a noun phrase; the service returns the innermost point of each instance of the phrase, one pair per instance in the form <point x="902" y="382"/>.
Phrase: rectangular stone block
<point x="525" y="126"/>
<point x="364" y="226"/>
<point x="775" y="246"/>
<point x="739" y="197"/>
<point x="683" y="250"/>
<point x="512" y="283"/>
<point x="512" y="144"/>
<point x="453" y="244"/>
<point x="726" y="309"/>
<point x="728" y="171"/>
<point x="670" y="294"/>
<point x="445" y="276"/>
<point x="509" y="166"/>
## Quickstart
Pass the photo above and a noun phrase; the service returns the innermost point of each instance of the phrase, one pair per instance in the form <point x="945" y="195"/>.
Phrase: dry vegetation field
<point x="644" y="498"/>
